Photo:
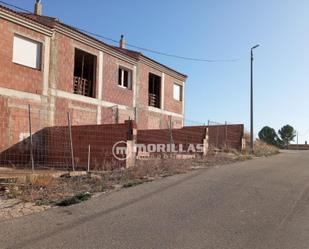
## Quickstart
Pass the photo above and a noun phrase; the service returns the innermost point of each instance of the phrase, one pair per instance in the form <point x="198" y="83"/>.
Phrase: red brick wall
<point x="144" y="71"/>
<point x="222" y="135"/>
<point x="65" y="53"/>
<point x="80" y="113"/>
<point x="65" y="50"/>
<point x="108" y="116"/>
<point x="153" y="120"/>
<point x="101" y="138"/>
<point x="111" y="91"/>
<point x="14" y="120"/>
<point x="231" y="135"/>
<point x="51" y="147"/>
<point x="170" y="104"/>
<point x="16" y="76"/>
<point x="14" y="113"/>
<point x="298" y="147"/>
<point x="4" y="123"/>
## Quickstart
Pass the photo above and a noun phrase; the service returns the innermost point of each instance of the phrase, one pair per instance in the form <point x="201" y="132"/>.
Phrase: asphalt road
<point x="262" y="203"/>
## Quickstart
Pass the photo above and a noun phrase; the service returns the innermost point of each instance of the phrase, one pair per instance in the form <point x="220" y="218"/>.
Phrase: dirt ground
<point x="24" y="193"/>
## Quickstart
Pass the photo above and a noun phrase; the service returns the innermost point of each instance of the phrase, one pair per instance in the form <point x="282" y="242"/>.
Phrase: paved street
<point x="262" y="203"/>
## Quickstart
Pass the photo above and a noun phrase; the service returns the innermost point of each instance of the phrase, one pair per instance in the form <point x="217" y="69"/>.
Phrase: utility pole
<point x="297" y="142"/>
<point x="251" y="103"/>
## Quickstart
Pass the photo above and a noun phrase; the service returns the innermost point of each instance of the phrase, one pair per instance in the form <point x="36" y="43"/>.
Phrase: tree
<point x="269" y="136"/>
<point x="287" y="135"/>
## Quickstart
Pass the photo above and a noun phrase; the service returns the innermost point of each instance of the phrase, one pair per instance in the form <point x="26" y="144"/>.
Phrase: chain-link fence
<point x="221" y="135"/>
<point x="212" y="135"/>
<point x="28" y="141"/>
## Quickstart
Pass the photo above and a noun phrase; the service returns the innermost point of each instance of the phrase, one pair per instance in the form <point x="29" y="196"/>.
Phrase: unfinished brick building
<point x="58" y="69"/>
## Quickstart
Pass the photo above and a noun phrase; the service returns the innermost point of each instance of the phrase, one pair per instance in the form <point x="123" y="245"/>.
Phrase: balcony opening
<point x="154" y="90"/>
<point x="84" y="73"/>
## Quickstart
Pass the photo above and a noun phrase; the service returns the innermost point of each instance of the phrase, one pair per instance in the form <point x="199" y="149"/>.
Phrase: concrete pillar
<point x="162" y="104"/>
<point x="46" y="65"/>
<point x="131" y="157"/>
<point x="183" y="102"/>
<point x="243" y="144"/>
<point x="206" y="143"/>
<point x="131" y="143"/>
<point x="100" y="86"/>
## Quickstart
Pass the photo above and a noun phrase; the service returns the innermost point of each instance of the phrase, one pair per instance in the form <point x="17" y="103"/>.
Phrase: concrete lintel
<point x="157" y="110"/>
<point x="19" y="94"/>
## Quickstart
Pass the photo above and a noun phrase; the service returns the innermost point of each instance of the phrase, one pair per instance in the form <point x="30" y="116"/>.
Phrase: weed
<point x="132" y="183"/>
<point x="74" y="199"/>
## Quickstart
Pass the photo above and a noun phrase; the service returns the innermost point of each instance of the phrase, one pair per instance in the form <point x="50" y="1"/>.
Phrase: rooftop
<point x="52" y="22"/>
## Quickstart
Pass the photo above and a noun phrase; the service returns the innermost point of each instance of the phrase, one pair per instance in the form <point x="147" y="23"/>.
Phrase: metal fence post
<point x="117" y="115"/>
<point x="71" y="142"/>
<point x="89" y="151"/>
<point x="208" y="127"/>
<point x="171" y="134"/>
<point x="31" y="141"/>
<point x="226" y="134"/>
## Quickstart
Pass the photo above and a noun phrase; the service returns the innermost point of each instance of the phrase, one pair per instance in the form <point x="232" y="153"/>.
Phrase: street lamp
<point x="251" y="112"/>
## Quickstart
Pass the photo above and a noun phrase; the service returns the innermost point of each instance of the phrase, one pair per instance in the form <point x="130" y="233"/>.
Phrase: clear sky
<point x="215" y="29"/>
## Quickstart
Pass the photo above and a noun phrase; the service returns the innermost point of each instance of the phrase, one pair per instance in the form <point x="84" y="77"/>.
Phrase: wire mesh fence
<point x="28" y="140"/>
<point x="187" y="139"/>
<point x="221" y="135"/>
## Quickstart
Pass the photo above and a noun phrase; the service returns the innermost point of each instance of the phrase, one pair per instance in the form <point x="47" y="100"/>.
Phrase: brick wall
<point x="219" y="136"/>
<point x="156" y="120"/>
<point x="298" y="147"/>
<point x="16" y="76"/>
<point x="4" y="127"/>
<point x="62" y="49"/>
<point x="51" y="109"/>
<point x="14" y="120"/>
<point x="170" y="104"/>
<point x="51" y="147"/>
<point x="111" y="90"/>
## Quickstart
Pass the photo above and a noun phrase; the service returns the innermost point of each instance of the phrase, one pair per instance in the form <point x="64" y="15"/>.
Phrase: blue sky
<point x="215" y="29"/>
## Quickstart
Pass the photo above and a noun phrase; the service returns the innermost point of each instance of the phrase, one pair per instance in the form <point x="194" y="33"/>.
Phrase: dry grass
<point x="260" y="148"/>
<point x="263" y="149"/>
<point x="46" y="189"/>
<point x="41" y="180"/>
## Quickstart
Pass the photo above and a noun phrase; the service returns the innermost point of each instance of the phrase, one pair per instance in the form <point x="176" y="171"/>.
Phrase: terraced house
<point x="58" y="69"/>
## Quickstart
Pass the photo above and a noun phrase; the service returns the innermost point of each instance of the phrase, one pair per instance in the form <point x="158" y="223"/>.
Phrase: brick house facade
<point x="73" y="72"/>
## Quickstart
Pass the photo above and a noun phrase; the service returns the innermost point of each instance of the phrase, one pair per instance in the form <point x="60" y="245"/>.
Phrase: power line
<point x="183" y="57"/>
<point x="138" y="47"/>
<point x="157" y="52"/>
<point x="16" y="7"/>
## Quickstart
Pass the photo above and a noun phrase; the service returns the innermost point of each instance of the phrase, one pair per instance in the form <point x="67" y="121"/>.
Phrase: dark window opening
<point x="154" y="90"/>
<point x="84" y="73"/>
<point x="125" y="78"/>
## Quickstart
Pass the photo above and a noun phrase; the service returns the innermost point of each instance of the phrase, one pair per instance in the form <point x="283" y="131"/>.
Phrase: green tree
<point x="269" y="136"/>
<point x="287" y="135"/>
